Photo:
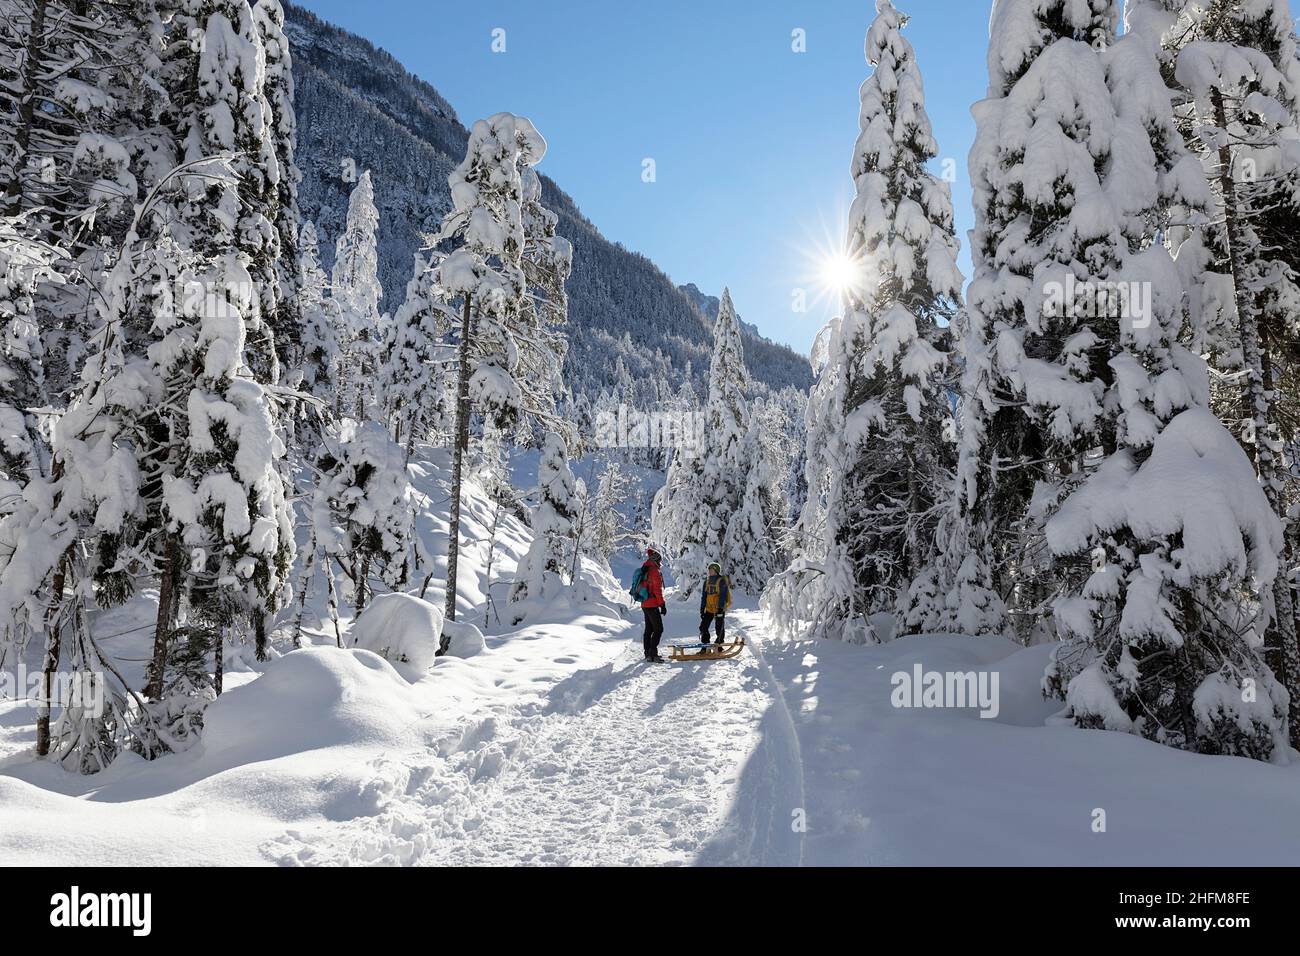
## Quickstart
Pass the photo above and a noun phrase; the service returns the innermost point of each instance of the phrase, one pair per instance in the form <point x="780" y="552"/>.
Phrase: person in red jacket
<point x="653" y="606"/>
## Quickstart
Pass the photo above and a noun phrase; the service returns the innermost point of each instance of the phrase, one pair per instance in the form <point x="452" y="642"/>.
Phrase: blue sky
<point x="751" y="140"/>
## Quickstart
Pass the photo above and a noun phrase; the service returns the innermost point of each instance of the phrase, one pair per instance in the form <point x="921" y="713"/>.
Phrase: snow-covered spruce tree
<point x="356" y="292"/>
<point x="1032" y="407"/>
<point x="677" y="515"/>
<point x="606" y="531"/>
<point x="415" y="378"/>
<point x="506" y="281"/>
<point x="1235" y="77"/>
<point x="902" y="241"/>
<point x="706" y="486"/>
<point x="541" y="572"/>
<point x="362" y="516"/>
<point x="877" y="462"/>
<point x="25" y="265"/>
<point x="64" y="67"/>
<point x="224" y="502"/>
<point x="809" y="596"/>
<point x="283" y="309"/>
<point x="72" y="121"/>
<point x="321" y="357"/>
<point x="1081" y="302"/>
<point x="755" y="526"/>
<point x="963" y="571"/>
<point x="225" y="110"/>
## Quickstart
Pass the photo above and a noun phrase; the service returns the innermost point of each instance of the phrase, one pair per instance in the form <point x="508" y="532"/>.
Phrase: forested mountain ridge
<point x="359" y="108"/>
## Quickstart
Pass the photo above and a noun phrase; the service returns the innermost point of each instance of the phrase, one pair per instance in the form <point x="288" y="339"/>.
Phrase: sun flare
<point x="840" y="273"/>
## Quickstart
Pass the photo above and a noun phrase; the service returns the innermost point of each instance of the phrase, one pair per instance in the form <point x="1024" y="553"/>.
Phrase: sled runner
<point x="704" y="652"/>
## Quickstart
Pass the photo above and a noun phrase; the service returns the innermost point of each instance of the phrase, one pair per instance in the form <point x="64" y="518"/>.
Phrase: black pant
<point x="654" y="629"/>
<point x="719" y="626"/>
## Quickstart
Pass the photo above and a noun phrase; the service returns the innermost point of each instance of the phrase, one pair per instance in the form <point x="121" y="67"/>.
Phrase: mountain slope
<point x="357" y="106"/>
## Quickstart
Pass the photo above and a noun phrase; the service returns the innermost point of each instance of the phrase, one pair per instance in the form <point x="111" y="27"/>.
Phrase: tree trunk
<point x="1280" y="639"/>
<point x="166" y="614"/>
<point x="304" y="585"/>
<point x="53" y="640"/>
<point x="332" y="600"/>
<point x="219" y="666"/>
<point x="260" y="639"/>
<point x="459" y="447"/>
<point x="363" y="582"/>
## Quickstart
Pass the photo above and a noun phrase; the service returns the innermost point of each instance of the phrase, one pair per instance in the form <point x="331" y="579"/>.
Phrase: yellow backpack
<point x="723" y="580"/>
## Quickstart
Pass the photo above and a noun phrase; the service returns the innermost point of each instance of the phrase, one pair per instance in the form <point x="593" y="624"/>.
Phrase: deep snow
<point x="555" y="744"/>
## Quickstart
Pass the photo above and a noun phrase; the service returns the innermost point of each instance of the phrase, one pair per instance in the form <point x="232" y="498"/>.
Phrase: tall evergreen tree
<point x="1089" y="409"/>
<point x="542" y="569"/>
<point x="1233" y="71"/>
<point x="706" y="486"/>
<point x="866" y="545"/>
<point x="506" y="279"/>
<point x="1032" y="393"/>
<point x="416" y="373"/>
<point x="283" y="309"/>
<point x="356" y="292"/>
<point x="902" y="241"/>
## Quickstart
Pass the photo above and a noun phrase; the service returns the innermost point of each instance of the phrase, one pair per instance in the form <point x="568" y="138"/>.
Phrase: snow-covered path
<point x="625" y="763"/>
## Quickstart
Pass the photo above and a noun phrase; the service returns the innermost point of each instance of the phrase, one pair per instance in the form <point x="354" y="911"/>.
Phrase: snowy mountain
<point x="709" y="305"/>
<point x="359" y="108"/>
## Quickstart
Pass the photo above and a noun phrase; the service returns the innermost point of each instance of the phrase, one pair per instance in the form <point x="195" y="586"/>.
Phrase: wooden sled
<point x="704" y="652"/>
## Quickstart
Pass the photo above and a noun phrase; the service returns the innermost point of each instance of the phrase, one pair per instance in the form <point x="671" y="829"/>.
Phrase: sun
<point x="832" y="274"/>
<point x="840" y="273"/>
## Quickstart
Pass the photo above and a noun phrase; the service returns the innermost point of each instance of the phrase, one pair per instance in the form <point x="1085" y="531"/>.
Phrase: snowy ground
<point x="555" y="744"/>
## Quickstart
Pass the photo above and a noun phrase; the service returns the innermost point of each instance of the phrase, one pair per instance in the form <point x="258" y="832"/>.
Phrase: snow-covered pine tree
<point x="25" y="265"/>
<point x="1032" y="404"/>
<point x="356" y="291"/>
<point x="415" y="378"/>
<point x="284" y="310"/>
<point x="362" y="516"/>
<point x="63" y="65"/>
<point x="754" y="528"/>
<point x="814" y="594"/>
<point x="321" y="352"/>
<point x="541" y="342"/>
<point x="1078" y="304"/>
<point x="1235" y="77"/>
<point x="506" y="280"/>
<point x="705" y="486"/>
<point x="541" y="572"/>
<point x="902" y="242"/>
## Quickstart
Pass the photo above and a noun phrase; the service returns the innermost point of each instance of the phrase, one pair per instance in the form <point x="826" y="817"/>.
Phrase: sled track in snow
<point x="626" y="764"/>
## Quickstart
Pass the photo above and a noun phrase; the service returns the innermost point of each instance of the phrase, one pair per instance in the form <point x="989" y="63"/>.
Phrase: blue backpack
<point x="639" y="590"/>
